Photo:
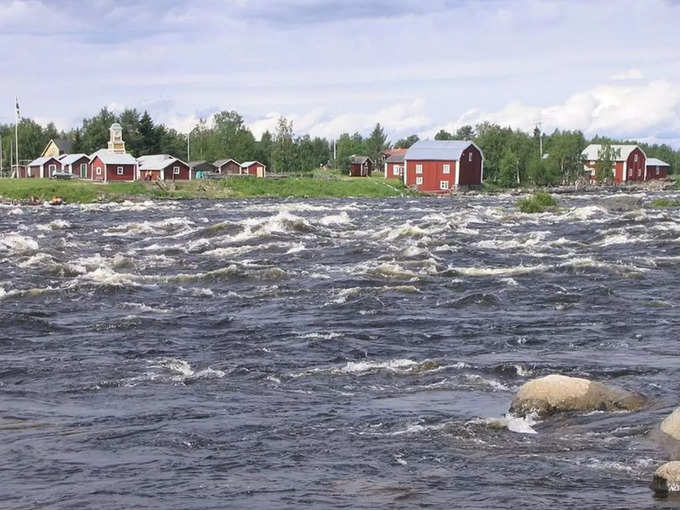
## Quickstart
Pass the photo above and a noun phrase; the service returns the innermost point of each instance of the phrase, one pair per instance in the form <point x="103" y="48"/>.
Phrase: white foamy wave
<point x="335" y="219"/>
<point x="588" y="212"/>
<point x="54" y="225"/>
<point x="511" y="422"/>
<point x="359" y="368"/>
<point x="149" y="227"/>
<point x="106" y="276"/>
<point x="181" y="371"/>
<point x="16" y="244"/>
<point x="499" y="271"/>
<point x="282" y="222"/>
<point x="491" y="383"/>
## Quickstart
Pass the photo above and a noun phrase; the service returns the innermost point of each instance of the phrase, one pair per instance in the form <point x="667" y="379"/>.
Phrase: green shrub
<point x="661" y="203"/>
<point x="537" y="203"/>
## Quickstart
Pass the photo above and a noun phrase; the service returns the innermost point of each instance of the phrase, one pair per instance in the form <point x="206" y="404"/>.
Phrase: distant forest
<point x="512" y="157"/>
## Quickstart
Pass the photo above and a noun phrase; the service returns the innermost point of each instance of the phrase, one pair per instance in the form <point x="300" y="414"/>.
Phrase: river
<point x="330" y="353"/>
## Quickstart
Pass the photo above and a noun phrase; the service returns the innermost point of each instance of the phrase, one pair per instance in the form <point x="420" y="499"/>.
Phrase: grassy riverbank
<point x="77" y="191"/>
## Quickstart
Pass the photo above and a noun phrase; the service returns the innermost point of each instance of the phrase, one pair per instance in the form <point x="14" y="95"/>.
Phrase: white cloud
<point x="630" y="74"/>
<point x="644" y="111"/>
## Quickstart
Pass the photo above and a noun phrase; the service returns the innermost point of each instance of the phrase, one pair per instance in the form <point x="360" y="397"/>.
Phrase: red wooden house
<point x="657" y="169"/>
<point x="162" y="167"/>
<point x="438" y="166"/>
<point x="254" y="168"/>
<point x="77" y="165"/>
<point x="360" y="166"/>
<point x="44" y="167"/>
<point x="228" y="166"/>
<point x="630" y="162"/>
<point x="394" y="164"/>
<point x="107" y="165"/>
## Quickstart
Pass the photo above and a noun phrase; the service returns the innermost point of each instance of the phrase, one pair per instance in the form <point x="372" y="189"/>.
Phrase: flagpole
<point x="16" y="138"/>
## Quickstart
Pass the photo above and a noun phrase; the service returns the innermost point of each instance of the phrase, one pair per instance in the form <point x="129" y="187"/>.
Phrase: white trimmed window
<point x="53" y="168"/>
<point x="419" y="180"/>
<point x="419" y="169"/>
<point x="635" y="158"/>
<point x="120" y="170"/>
<point x="639" y="172"/>
<point x="395" y="170"/>
<point x="175" y="170"/>
<point x="99" y="170"/>
<point x="446" y="169"/>
<point x="443" y="184"/>
<point x="470" y="156"/>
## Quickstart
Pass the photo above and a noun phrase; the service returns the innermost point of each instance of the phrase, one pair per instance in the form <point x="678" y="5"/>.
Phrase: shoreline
<point x="39" y="191"/>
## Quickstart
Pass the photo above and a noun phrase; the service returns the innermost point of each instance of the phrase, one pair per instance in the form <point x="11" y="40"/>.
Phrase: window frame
<point x="419" y="180"/>
<point x="446" y="168"/>
<point x="120" y="170"/>
<point x="99" y="170"/>
<point x="175" y="170"/>
<point x="419" y="168"/>
<point x="444" y="185"/>
<point x="470" y="157"/>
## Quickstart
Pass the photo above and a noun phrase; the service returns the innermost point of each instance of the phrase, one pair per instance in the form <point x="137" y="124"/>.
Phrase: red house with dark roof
<point x="360" y="166"/>
<point x="254" y="168"/>
<point x="657" y="169"/>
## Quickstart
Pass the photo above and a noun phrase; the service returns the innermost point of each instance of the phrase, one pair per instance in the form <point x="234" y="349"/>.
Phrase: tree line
<point x="511" y="157"/>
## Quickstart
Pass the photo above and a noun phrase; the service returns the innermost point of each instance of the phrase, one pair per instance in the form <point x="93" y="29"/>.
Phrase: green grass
<point x="536" y="203"/>
<point x="78" y="191"/>
<point x="662" y="203"/>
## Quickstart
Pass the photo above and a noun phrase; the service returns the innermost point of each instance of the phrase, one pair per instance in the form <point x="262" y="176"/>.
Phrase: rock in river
<point x="666" y="479"/>
<point x="671" y="425"/>
<point x="558" y="393"/>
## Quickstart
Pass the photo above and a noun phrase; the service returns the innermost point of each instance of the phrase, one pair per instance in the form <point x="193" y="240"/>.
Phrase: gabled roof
<point x="65" y="145"/>
<point x="41" y="160"/>
<point x="222" y="162"/>
<point x="157" y="161"/>
<point x="656" y="162"/>
<point x="114" y="158"/>
<point x="194" y="164"/>
<point x="621" y="152"/>
<point x="69" y="159"/>
<point x="359" y="160"/>
<point x="396" y="157"/>
<point x="246" y="164"/>
<point x="444" y="150"/>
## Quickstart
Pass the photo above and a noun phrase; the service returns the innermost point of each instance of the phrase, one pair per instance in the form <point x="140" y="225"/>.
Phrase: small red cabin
<point x="77" y="165"/>
<point x="630" y="162"/>
<point x="107" y="165"/>
<point x="394" y="164"/>
<point x="437" y="166"/>
<point x="360" y="166"/>
<point x="657" y="169"/>
<point x="43" y="167"/>
<point x="163" y="167"/>
<point x="228" y="166"/>
<point x="254" y="168"/>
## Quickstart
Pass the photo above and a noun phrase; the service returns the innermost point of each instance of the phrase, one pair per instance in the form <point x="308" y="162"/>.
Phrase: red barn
<point x="163" y="167"/>
<point x="107" y="165"/>
<point x="394" y="164"/>
<point x="254" y="168"/>
<point x="630" y="162"/>
<point x="360" y="166"/>
<point x="438" y="166"/>
<point x="44" y="167"/>
<point x="77" y="165"/>
<point x="228" y="166"/>
<point x="657" y="169"/>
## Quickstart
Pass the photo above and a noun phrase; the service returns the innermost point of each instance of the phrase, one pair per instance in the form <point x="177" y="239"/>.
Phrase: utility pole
<point x="16" y="139"/>
<point x="188" y="157"/>
<point x="1" y="172"/>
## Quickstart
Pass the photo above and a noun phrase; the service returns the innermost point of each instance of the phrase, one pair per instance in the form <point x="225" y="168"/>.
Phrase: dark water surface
<point x="330" y="353"/>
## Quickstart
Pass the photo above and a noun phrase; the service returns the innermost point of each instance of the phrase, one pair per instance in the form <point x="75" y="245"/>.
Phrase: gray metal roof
<point x="621" y="152"/>
<point x="222" y="162"/>
<point x="41" y="160"/>
<point x="114" y="158"/>
<point x="157" y="161"/>
<point x="246" y="164"/>
<point x="656" y="162"/>
<point x="69" y="159"/>
<point x="397" y="157"/>
<point x="444" y="150"/>
<point x="359" y="160"/>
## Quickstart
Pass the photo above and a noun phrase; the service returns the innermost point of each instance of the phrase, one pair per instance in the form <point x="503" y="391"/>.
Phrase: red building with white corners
<point x="630" y="162"/>
<point x="438" y="166"/>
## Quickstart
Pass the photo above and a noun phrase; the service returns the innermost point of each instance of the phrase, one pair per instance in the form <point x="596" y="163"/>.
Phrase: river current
<point x="331" y="353"/>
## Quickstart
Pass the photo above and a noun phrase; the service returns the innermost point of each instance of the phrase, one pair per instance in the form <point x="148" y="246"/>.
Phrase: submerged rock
<point x="558" y="393"/>
<point x="671" y="425"/>
<point x="666" y="479"/>
<point x="623" y="203"/>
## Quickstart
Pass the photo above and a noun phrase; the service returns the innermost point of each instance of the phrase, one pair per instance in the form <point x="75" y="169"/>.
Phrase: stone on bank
<point x="558" y="393"/>
<point x="666" y="479"/>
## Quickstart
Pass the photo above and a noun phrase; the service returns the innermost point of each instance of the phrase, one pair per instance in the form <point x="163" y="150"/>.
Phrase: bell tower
<point x="116" y="143"/>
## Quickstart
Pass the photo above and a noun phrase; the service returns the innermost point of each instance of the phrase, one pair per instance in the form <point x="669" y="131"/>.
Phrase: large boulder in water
<point x="671" y="425"/>
<point x="666" y="479"/>
<point x="558" y="393"/>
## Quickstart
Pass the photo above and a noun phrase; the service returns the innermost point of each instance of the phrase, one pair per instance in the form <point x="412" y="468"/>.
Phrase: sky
<point x="332" y="66"/>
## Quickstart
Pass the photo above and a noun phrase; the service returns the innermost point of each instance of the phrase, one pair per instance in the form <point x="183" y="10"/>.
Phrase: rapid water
<point x="330" y="353"/>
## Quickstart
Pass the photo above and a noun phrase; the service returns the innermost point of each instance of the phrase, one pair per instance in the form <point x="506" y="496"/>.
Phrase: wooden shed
<point x="228" y="166"/>
<point x="360" y="166"/>
<point x="162" y="167"/>
<point x="657" y="169"/>
<point x="44" y="167"/>
<point x="77" y="165"/>
<point x="107" y="165"/>
<point x="201" y="169"/>
<point x="394" y="164"/>
<point x="254" y="168"/>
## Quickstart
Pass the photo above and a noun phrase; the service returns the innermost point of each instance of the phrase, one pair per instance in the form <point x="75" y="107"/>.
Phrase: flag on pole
<point x="18" y="113"/>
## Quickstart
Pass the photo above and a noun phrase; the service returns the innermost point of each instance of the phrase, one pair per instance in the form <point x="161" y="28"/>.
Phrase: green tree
<point x="94" y="133"/>
<point x="284" y="158"/>
<point x="150" y="135"/>
<point x="443" y="135"/>
<point x="405" y="143"/>
<point x="604" y="166"/>
<point x="509" y="168"/>
<point x="466" y="132"/>
<point x="376" y="143"/>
